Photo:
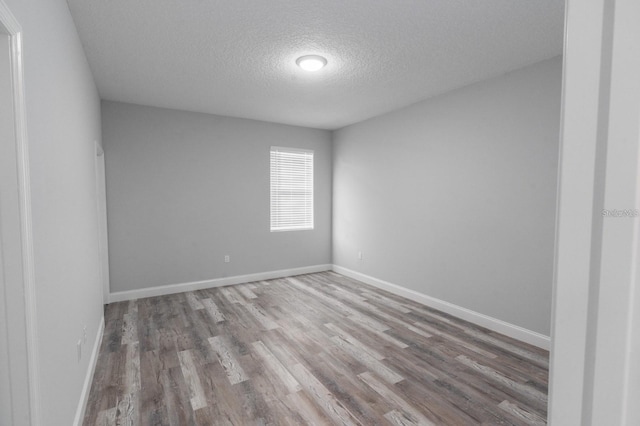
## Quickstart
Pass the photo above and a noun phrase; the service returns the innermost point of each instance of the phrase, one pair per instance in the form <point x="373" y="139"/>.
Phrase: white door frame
<point x="594" y="375"/>
<point x="99" y="163"/>
<point x="26" y="308"/>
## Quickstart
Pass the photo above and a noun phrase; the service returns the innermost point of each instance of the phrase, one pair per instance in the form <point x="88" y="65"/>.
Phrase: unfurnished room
<point x="413" y="212"/>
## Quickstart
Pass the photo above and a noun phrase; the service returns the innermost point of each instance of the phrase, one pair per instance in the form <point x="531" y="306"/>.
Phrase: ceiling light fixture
<point x="311" y="62"/>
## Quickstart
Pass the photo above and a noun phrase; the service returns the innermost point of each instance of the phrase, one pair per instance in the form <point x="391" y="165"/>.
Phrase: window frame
<point x="308" y="187"/>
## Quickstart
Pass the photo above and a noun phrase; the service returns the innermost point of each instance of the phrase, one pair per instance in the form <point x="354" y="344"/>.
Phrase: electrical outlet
<point x="79" y="349"/>
<point x="359" y="255"/>
<point x="84" y="335"/>
<point x="227" y="258"/>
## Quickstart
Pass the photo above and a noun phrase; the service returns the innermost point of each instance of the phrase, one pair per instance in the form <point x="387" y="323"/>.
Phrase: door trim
<point x="99" y="166"/>
<point x="14" y="30"/>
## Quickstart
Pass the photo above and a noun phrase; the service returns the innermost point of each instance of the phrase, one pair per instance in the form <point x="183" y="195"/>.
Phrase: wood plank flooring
<point x="312" y="349"/>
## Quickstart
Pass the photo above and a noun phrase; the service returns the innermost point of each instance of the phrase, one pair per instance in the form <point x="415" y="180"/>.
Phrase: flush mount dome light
<point x="311" y="62"/>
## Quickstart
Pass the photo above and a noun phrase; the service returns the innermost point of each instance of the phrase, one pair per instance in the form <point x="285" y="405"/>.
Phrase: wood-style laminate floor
<point x="312" y="349"/>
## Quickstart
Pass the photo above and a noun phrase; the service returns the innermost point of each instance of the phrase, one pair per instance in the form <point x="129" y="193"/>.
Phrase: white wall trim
<point x="86" y="388"/>
<point x="494" y="324"/>
<point x="12" y="26"/>
<point x="511" y="330"/>
<point x="217" y="282"/>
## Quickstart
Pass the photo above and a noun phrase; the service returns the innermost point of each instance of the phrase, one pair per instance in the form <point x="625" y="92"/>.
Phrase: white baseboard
<point x="503" y="327"/>
<point x="86" y="388"/>
<point x="494" y="324"/>
<point x="218" y="282"/>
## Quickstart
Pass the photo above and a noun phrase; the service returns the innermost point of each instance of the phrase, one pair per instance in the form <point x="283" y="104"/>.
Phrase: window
<point x="291" y="189"/>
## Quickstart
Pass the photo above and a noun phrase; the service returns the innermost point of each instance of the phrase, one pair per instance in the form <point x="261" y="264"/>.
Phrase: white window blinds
<point x="291" y="189"/>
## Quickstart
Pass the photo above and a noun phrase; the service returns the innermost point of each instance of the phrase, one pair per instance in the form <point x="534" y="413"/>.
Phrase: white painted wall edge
<point x="84" y="396"/>
<point x="494" y="324"/>
<point x="217" y="282"/>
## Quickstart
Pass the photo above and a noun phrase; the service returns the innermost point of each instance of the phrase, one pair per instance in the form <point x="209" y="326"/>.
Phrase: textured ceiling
<point x="237" y="57"/>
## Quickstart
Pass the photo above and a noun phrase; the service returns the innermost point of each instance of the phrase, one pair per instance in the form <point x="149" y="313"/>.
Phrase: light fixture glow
<point x="311" y="62"/>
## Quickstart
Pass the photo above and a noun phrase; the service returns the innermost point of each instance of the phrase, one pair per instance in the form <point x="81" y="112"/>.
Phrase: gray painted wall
<point x="63" y="120"/>
<point x="455" y="197"/>
<point x="185" y="189"/>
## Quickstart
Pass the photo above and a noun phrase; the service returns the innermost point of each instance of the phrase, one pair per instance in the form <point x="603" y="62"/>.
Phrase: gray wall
<point x="455" y="197"/>
<point x="185" y="189"/>
<point x="63" y="120"/>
